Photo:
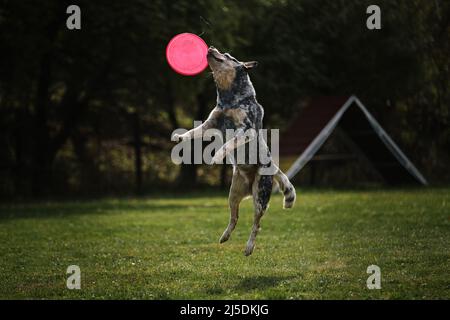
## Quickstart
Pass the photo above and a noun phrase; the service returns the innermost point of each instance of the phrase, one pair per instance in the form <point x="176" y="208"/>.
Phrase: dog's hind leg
<point x="261" y="189"/>
<point x="287" y="188"/>
<point x="240" y="188"/>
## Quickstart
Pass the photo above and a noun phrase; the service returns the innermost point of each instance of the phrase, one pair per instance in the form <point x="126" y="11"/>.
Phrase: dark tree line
<point x="95" y="107"/>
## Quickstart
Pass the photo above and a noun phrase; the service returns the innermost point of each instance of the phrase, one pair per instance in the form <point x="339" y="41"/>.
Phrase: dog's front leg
<point x="197" y="132"/>
<point x="241" y="137"/>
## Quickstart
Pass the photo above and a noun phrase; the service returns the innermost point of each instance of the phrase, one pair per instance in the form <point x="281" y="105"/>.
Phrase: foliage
<point x="67" y="97"/>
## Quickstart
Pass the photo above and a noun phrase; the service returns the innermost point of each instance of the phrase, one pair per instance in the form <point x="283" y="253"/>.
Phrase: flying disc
<point x="186" y="54"/>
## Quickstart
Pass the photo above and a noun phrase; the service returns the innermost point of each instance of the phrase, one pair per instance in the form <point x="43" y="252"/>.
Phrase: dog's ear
<point x="250" y="64"/>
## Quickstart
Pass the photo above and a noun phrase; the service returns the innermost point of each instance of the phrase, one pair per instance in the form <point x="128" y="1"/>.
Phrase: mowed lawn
<point x="167" y="247"/>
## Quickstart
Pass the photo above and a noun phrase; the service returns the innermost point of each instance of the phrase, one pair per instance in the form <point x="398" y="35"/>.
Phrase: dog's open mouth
<point x="212" y="53"/>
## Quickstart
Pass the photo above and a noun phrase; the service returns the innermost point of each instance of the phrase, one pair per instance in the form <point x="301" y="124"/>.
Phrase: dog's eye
<point x="218" y="59"/>
<point x="230" y="57"/>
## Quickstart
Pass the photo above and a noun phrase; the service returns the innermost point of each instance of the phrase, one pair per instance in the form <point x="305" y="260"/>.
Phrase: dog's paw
<point x="179" y="137"/>
<point x="249" y="249"/>
<point x="225" y="236"/>
<point x="176" y="137"/>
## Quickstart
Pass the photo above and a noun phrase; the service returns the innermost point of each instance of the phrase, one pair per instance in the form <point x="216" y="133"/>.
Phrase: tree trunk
<point x="41" y="165"/>
<point x="137" y="143"/>
<point x="188" y="174"/>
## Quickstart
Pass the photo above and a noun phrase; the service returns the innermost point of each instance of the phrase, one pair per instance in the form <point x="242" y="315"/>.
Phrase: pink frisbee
<point x="186" y="54"/>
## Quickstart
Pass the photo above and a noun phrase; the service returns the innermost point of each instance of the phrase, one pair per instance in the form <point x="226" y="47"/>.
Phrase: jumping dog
<point x="238" y="109"/>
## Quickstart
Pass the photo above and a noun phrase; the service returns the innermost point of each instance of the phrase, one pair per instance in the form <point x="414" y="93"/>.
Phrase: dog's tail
<point x="286" y="188"/>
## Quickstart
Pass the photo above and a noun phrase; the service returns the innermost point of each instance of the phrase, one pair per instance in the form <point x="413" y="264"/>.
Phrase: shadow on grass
<point x="260" y="282"/>
<point x="61" y="209"/>
<point x="248" y="284"/>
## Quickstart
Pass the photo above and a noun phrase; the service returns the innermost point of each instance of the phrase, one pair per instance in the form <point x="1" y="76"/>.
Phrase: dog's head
<point x="226" y="68"/>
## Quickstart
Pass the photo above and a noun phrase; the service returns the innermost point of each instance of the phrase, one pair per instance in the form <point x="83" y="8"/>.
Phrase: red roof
<point x="311" y="120"/>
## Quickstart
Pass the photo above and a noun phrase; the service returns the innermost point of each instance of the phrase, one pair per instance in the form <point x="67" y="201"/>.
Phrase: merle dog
<point x="238" y="109"/>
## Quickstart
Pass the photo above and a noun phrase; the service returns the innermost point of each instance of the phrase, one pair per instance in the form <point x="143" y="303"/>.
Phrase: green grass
<point x="167" y="247"/>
